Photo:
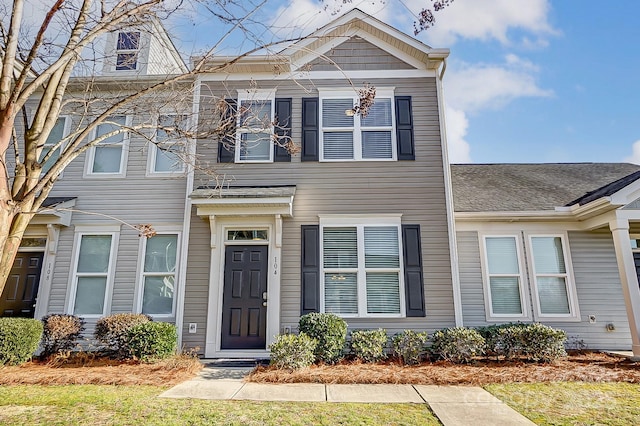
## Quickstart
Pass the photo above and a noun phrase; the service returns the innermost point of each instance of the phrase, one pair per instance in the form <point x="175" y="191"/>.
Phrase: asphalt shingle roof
<point x="534" y="187"/>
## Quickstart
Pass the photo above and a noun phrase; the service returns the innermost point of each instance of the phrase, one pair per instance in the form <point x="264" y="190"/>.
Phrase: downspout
<point x="186" y="228"/>
<point x="448" y="189"/>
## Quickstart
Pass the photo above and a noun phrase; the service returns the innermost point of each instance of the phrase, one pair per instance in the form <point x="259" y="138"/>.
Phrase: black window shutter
<point x="310" y="272"/>
<point x="404" y="128"/>
<point x="229" y="139"/>
<point x="283" y="129"/>
<point x="310" y="129"/>
<point x="413" y="282"/>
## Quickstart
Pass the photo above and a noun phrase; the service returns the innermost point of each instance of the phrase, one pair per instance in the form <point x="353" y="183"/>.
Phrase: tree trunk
<point x="9" y="241"/>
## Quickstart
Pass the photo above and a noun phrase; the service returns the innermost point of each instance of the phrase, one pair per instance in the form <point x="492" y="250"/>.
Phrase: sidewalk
<point x="453" y="405"/>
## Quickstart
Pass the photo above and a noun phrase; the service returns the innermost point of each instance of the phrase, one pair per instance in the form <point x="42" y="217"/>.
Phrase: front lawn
<point x="573" y="403"/>
<point x="126" y="405"/>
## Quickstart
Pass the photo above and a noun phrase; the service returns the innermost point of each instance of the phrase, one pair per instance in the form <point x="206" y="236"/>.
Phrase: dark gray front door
<point x="636" y="260"/>
<point x="19" y="296"/>
<point x="244" y="311"/>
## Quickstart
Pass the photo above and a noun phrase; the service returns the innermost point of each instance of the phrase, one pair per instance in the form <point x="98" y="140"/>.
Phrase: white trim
<point x="338" y="221"/>
<point x="356" y="129"/>
<point x="572" y="296"/>
<point x="248" y="95"/>
<point x="219" y="226"/>
<point x="367" y="75"/>
<point x="48" y="265"/>
<point x="81" y="231"/>
<point x="124" y="153"/>
<point x="153" y="150"/>
<point x="524" y="298"/>
<point x="140" y="273"/>
<point x="451" y="225"/>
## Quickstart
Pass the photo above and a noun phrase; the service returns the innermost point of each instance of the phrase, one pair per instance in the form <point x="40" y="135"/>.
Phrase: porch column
<point x="629" y="279"/>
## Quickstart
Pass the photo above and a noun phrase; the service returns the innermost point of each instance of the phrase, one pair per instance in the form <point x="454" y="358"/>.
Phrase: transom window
<point x="92" y="274"/>
<point x="254" y="135"/>
<point x="127" y="50"/>
<point x="108" y="155"/>
<point x="552" y="288"/>
<point x="159" y="274"/>
<point x="361" y="270"/>
<point x="349" y="136"/>
<point x="167" y="154"/>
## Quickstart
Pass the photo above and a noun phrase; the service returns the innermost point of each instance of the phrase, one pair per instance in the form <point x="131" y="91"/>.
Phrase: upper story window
<point x="347" y="136"/>
<point x="167" y="154"/>
<point x="254" y="132"/>
<point x="56" y="135"/>
<point x="550" y="288"/>
<point x="127" y="49"/>
<point x="108" y="156"/>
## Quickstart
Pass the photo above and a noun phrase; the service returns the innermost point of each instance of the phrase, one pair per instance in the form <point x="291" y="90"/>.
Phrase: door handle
<point x="264" y="295"/>
<point x="264" y="303"/>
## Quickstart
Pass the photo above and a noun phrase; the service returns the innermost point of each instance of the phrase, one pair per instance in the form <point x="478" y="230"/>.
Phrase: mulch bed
<point x="81" y="369"/>
<point x="586" y="366"/>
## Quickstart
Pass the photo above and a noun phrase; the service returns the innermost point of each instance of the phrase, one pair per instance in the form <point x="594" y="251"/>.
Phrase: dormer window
<point x="127" y="50"/>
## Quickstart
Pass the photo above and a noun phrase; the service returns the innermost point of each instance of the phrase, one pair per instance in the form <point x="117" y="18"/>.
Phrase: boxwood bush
<point x="329" y="330"/>
<point x="293" y="351"/>
<point x="112" y="331"/>
<point x="410" y="346"/>
<point x="19" y="339"/>
<point x="61" y="332"/>
<point x="534" y="342"/>
<point x="150" y="341"/>
<point x="369" y="345"/>
<point x="458" y="344"/>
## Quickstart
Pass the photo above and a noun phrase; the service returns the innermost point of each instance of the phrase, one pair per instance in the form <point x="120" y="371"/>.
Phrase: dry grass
<point x="585" y="367"/>
<point x="85" y="369"/>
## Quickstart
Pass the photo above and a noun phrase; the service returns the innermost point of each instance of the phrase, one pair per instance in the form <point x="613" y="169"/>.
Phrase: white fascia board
<point x="320" y="75"/>
<point x="513" y="216"/>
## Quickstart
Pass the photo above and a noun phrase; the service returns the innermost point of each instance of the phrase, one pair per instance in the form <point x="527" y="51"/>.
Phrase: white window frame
<point x="141" y="274"/>
<point x="337" y="221"/>
<point x="124" y="152"/>
<point x="384" y="92"/>
<point x="80" y="231"/>
<point x="572" y="295"/>
<point x="153" y="150"/>
<point x="486" y="279"/>
<point x="66" y="129"/>
<point x="254" y="95"/>
<point x="135" y="52"/>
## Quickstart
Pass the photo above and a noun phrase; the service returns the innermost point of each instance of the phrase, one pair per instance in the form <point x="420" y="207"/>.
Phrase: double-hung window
<point x="361" y="269"/>
<point x="158" y="274"/>
<point x="548" y="286"/>
<point x="349" y="136"/>
<point x="93" y="273"/>
<point x="550" y="276"/>
<point x="504" y="277"/>
<point x="56" y="135"/>
<point x="254" y="134"/>
<point x="108" y="156"/>
<point x="127" y="48"/>
<point x="167" y="155"/>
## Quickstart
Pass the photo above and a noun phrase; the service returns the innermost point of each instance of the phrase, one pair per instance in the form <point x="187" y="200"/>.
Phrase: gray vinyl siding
<point x="413" y="188"/>
<point x="597" y="284"/>
<point x="358" y="54"/>
<point x="134" y="199"/>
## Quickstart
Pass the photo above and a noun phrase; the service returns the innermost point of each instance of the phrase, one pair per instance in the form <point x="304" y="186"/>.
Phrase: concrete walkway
<point x="453" y="405"/>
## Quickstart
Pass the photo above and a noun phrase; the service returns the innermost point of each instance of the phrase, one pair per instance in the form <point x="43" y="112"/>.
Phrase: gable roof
<point x="535" y="187"/>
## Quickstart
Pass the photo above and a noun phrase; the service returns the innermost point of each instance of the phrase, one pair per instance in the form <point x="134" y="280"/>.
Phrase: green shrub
<point x="491" y="334"/>
<point x="19" y="339"/>
<point x="369" y="345"/>
<point x="291" y="351"/>
<point x="112" y="331"/>
<point x="410" y="346"/>
<point x="458" y="344"/>
<point x="61" y="332"/>
<point x="329" y="330"/>
<point x="534" y="342"/>
<point x="151" y="341"/>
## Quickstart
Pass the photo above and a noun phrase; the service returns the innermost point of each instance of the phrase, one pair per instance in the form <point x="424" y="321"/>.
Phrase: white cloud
<point x="635" y="156"/>
<point x="486" y="20"/>
<point x="473" y="87"/>
<point x="457" y="124"/>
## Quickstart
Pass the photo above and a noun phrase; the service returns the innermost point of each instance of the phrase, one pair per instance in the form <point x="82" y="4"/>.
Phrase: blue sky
<point x="527" y="80"/>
